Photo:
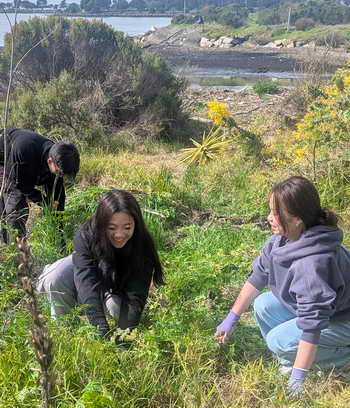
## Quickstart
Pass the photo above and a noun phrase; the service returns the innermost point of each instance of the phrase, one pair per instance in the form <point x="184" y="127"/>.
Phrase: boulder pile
<point x="229" y="42"/>
<point x="222" y="42"/>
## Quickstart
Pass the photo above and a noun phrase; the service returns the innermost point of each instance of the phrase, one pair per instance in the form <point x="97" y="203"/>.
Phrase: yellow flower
<point x="299" y="153"/>
<point x="346" y="82"/>
<point x="218" y="112"/>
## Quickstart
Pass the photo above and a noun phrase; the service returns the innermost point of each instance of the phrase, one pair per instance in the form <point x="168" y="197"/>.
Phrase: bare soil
<point x="240" y="58"/>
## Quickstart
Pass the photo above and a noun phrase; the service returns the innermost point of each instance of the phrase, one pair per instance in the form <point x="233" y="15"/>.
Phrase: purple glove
<point x="296" y="382"/>
<point x="227" y="326"/>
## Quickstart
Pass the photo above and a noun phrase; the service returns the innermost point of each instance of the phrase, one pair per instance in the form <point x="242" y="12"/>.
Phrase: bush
<point x="49" y="105"/>
<point x="85" y="48"/>
<point x="265" y="86"/>
<point x="304" y="23"/>
<point x="268" y="17"/>
<point x="332" y="39"/>
<point x="88" y="74"/>
<point x="278" y="32"/>
<point x="182" y="19"/>
<point x="232" y="16"/>
<point x="319" y="147"/>
<point x="328" y="13"/>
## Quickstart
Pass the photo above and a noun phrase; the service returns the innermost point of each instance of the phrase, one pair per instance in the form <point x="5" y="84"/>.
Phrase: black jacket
<point x="26" y="166"/>
<point x="94" y="277"/>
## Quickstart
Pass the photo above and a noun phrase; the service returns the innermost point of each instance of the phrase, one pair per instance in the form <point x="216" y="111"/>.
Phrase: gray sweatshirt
<point x="310" y="276"/>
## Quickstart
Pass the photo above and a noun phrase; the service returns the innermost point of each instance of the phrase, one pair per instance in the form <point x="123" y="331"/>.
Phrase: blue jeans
<point x="278" y="327"/>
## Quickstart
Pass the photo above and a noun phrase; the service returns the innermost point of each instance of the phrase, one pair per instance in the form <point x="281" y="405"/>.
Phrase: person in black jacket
<point x="27" y="160"/>
<point x="111" y="269"/>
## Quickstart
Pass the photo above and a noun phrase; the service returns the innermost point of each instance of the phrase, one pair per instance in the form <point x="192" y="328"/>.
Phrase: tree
<point x="268" y="17"/>
<point x="138" y="4"/>
<point x="95" y="5"/>
<point x="27" y="4"/>
<point x="73" y="8"/>
<point x="120" y="5"/>
<point x="233" y="16"/>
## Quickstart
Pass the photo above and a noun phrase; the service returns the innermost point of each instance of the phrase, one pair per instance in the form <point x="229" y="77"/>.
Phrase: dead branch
<point x="201" y="216"/>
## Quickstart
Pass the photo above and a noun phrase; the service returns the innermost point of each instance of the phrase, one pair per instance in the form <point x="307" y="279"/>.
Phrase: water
<point x="237" y="80"/>
<point x="130" y="25"/>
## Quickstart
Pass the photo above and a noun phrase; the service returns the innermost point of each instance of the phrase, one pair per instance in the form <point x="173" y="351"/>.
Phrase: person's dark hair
<point x="140" y="245"/>
<point x="66" y="157"/>
<point x="299" y="197"/>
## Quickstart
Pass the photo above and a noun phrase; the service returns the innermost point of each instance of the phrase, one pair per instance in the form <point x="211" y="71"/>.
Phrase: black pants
<point x="14" y="212"/>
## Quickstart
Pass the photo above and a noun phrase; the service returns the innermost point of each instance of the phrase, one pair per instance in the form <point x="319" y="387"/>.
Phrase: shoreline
<point x="96" y="14"/>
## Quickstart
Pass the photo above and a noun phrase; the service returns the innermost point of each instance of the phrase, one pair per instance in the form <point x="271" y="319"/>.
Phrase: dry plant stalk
<point x="41" y="339"/>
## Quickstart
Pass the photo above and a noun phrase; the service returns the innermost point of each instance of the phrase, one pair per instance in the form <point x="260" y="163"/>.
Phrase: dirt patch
<point x="243" y="105"/>
<point x="257" y="60"/>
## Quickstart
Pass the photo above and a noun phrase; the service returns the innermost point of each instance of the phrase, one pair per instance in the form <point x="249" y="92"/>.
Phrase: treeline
<point x="306" y="14"/>
<point x="302" y="15"/>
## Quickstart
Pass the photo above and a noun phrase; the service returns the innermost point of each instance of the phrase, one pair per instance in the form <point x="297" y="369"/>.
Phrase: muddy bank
<point x="254" y="60"/>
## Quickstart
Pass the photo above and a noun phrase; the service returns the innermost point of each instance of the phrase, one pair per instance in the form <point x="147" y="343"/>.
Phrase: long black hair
<point x="140" y="248"/>
<point x="300" y="199"/>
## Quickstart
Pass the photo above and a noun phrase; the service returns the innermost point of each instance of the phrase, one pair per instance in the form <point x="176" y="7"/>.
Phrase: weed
<point x="265" y="87"/>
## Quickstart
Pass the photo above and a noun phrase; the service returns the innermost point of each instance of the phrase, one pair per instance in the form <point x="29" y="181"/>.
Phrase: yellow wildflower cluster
<point x="218" y="112"/>
<point x="324" y="130"/>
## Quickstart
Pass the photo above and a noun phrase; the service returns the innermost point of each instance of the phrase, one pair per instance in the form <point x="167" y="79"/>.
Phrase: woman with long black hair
<point x="111" y="269"/>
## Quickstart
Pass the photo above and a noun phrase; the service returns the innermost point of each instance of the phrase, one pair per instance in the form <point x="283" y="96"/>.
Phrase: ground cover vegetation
<point x="209" y="224"/>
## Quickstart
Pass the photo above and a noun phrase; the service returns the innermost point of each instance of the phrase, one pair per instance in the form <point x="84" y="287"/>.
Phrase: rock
<point x="288" y="43"/>
<point x="270" y="45"/>
<point x="153" y="29"/>
<point x="226" y="46"/>
<point x="227" y="40"/>
<point x="278" y="43"/>
<point x="205" y="42"/>
<point x="248" y="44"/>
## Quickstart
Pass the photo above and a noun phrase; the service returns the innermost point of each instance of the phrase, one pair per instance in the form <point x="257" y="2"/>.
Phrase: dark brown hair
<point x="299" y="197"/>
<point x="141" y="244"/>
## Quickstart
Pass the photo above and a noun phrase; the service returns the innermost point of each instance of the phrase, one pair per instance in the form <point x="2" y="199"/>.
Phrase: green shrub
<point x="304" y="23"/>
<point x="233" y="16"/>
<point x="182" y="19"/>
<point x="265" y="86"/>
<point x="50" y="105"/>
<point x="278" y="32"/>
<point x="268" y="17"/>
<point x="84" y="74"/>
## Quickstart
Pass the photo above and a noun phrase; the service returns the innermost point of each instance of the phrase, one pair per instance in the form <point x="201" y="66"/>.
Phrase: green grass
<point x="265" y="87"/>
<point x="174" y="360"/>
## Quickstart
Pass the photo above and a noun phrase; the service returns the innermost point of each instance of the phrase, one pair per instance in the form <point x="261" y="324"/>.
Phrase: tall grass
<point x="174" y="360"/>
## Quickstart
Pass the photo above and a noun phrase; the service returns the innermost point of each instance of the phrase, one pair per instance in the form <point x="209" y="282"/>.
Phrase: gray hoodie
<point x="310" y="276"/>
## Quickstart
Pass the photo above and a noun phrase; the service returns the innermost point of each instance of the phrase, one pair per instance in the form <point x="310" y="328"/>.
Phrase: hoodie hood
<point x="318" y="240"/>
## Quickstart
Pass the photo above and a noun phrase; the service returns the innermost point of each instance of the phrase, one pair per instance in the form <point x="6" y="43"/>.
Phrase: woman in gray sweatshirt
<point x="305" y="316"/>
